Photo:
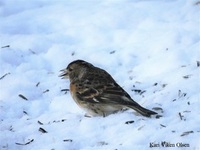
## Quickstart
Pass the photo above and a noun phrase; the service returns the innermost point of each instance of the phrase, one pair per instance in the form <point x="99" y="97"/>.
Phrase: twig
<point x="68" y="140"/>
<point x="73" y="53"/>
<point x="64" y="90"/>
<point x="141" y="127"/>
<point x="40" y="122"/>
<point x="158" y="109"/>
<point x="187" y="76"/>
<point x="112" y="52"/>
<point x="186" y="133"/>
<point x="46" y="91"/>
<point x="158" y="116"/>
<point x="162" y="125"/>
<point x="7" y="46"/>
<point x="4" y="75"/>
<point x="37" y="84"/>
<point x="25" y="143"/>
<point x="129" y="122"/>
<point x="23" y="97"/>
<point x="197" y="3"/>
<point x="42" y="130"/>
<point x="198" y="62"/>
<point x="181" y="117"/>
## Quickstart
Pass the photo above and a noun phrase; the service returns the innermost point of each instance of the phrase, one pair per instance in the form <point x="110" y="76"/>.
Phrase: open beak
<point x="64" y="74"/>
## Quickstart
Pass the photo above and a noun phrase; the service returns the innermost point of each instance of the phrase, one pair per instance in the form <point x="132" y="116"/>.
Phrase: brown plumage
<point x="94" y="90"/>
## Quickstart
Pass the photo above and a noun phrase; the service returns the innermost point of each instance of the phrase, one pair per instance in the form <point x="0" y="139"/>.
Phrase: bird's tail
<point x="143" y="111"/>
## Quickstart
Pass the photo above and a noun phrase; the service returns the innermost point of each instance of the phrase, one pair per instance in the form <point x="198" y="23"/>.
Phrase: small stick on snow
<point x="141" y="127"/>
<point x="4" y="75"/>
<point x="42" y="130"/>
<point x="112" y="52"/>
<point x="40" y="122"/>
<point x="23" y="97"/>
<point x="7" y="46"/>
<point x="181" y="117"/>
<point x="158" y="109"/>
<point x="162" y="125"/>
<point x="37" y="84"/>
<point x="186" y="133"/>
<point x="129" y="122"/>
<point x="198" y="62"/>
<point x="65" y="90"/>
<point x="68" y="140"/>
<point x="25" y="143"/>
<point x="46" y="91"/>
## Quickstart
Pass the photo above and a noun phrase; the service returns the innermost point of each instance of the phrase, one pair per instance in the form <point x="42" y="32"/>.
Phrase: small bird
<point x="94" y="90"/>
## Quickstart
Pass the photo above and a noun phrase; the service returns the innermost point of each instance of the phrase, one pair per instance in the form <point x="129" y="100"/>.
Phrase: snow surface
<point x="150" y="45"/>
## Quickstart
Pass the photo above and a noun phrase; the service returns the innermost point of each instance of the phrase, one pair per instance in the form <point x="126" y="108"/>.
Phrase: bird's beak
<point x="64" y="74"/>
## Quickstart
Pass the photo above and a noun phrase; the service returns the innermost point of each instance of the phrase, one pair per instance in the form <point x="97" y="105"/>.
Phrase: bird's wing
<point x="99" y="87"/>
<point x="110" y="93"/>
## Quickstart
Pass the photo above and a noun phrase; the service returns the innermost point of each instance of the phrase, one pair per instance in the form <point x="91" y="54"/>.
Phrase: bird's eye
<point x="70" y="69"/>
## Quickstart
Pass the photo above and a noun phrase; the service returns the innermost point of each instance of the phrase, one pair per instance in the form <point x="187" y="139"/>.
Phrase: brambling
<point x="94" y="90"/>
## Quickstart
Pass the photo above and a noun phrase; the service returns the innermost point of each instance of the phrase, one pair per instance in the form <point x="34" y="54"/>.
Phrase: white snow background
<point x="150" y="47"/>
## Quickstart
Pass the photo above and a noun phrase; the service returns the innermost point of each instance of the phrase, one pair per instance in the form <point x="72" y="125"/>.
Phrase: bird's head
<point x="75" y="70"/>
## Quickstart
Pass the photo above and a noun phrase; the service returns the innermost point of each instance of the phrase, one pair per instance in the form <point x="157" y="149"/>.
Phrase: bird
<point x="95" y="91"/>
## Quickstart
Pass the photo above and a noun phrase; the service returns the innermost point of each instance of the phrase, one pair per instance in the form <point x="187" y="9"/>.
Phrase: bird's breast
<point x="73" y="91"/>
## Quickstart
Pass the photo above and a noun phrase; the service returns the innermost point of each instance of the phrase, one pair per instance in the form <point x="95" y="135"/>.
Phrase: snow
<point x="153" y="46"/>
